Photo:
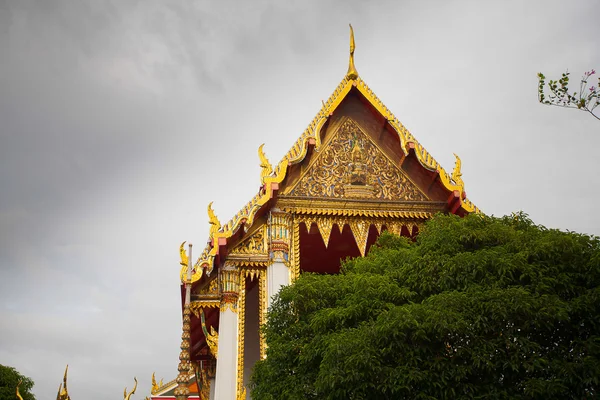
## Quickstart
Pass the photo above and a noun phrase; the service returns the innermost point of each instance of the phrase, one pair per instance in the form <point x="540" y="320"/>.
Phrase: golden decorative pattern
<point x="241" y="333"/>
<point x="212" y="337"/>
<point x="295" y="270"/>
<point x="182" y="390"/>
<point x="340" y="164"/>
<point x="229" y="302"/>
<point x="325" y="226"/>
<point x="255" y="244"/>
<point x="262" y="312"/>
<point x="205" y="388"/>
<point x="360" y="230"/>
<point x="359" y="226"/>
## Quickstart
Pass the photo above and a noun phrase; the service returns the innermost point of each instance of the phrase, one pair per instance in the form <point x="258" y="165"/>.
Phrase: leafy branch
<point x="587" y="99"/>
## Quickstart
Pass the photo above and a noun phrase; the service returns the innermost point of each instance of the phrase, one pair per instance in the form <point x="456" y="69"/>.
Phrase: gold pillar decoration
<point x="127" y="396"/>
<point x="63" y="393"/>
<point x="295" y="267"/>
<point x="183" y="391"/>
<point x="262" y="312"/>
<point x="241" y="332"/>
<point x="230" y="287"/>
<point x="279" y="236"/>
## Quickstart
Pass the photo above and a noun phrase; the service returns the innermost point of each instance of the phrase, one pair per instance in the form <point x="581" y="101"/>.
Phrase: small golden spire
<point x="352" y="73"/>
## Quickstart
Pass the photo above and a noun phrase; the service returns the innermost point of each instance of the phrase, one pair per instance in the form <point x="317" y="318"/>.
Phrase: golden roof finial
<point x="352" y="73"/>
<point x="127" y="396"/>
<point x="63" y="393"/>
<point x="19" y="394"/>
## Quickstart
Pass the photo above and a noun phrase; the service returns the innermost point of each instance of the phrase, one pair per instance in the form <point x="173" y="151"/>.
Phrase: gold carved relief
<point x="351" y="165"/>
<point x="256" y="244"/>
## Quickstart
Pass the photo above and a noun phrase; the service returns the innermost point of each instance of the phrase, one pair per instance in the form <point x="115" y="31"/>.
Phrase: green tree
<point x="9" y="378"/>
<point x="587" y="99"/>
<point x="479" y="307"/>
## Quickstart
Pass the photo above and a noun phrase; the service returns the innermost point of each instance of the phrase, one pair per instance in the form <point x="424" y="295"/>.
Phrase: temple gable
<point x="351" y="165"/>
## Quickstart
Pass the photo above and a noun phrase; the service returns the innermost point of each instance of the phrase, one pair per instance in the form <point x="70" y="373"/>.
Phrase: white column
<point x="226" y="376"/>
<point x="227" y="362"/>
<point x="278" y="275"/>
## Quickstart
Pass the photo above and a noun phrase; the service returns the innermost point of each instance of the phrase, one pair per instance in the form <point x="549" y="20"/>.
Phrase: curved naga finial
<point x="183" y="255"/>
<point x="156" y="386"/>
<point x="127" y="396"/>
<point x="456" y="174"/>
<point x="63" y="393"/>
<point x="352" y="73"/>
<point x="265" y="165"/>
<point x="215" y="225"/>
<point x="212" y="338"/>
<point x="19" y="394"/>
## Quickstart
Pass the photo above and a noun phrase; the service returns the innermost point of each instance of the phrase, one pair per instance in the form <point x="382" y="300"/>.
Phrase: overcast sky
<point x="121" y="120"/>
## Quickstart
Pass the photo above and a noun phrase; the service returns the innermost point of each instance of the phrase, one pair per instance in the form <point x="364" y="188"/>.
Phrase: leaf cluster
<point x="9" y="378"/>
<point x="478" y="307"/>
<point x="587" y="99"/>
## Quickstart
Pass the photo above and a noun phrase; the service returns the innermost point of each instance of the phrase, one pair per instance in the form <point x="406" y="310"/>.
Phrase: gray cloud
<point x="121" y="120"/>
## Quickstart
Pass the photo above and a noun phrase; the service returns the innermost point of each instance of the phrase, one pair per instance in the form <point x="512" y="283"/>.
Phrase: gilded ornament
<point x="456" y="174"/>
<point x="266" y="169"/>
<point x="352" y="73"/>
<point x="351" y="158"/>
<point x="197" y="270"/>
<point x="196" y="306"/>
<point x="19" y="394"/>
<point x="262" y="312"/>
<point x="255" y="244"/>
<point x="212" y="338"/>
<point x="215" y="225"/>
<point x="63" y="393"/>
<point x="155" y="386"/>
<point x="241" y="336"/>
<point x="205" y="389"/>
<point x="127" y="396"/>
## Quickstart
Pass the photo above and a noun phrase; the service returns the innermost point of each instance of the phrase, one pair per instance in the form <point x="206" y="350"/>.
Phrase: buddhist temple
<point x="354" y="172"/>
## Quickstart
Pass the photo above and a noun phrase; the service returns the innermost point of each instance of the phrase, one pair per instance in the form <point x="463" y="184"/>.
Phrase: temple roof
<point x="272" y="177"/>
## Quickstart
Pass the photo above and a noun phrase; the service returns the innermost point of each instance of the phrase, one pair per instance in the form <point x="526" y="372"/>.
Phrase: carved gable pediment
<point x="351" y="165"/>
<point x="255" y="244"/>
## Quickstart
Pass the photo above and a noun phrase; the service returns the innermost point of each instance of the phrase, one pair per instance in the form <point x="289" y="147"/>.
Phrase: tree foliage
<point x="479" y="307"/>
<point x="9" y="378"/>
<point x="587" y="99"/>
